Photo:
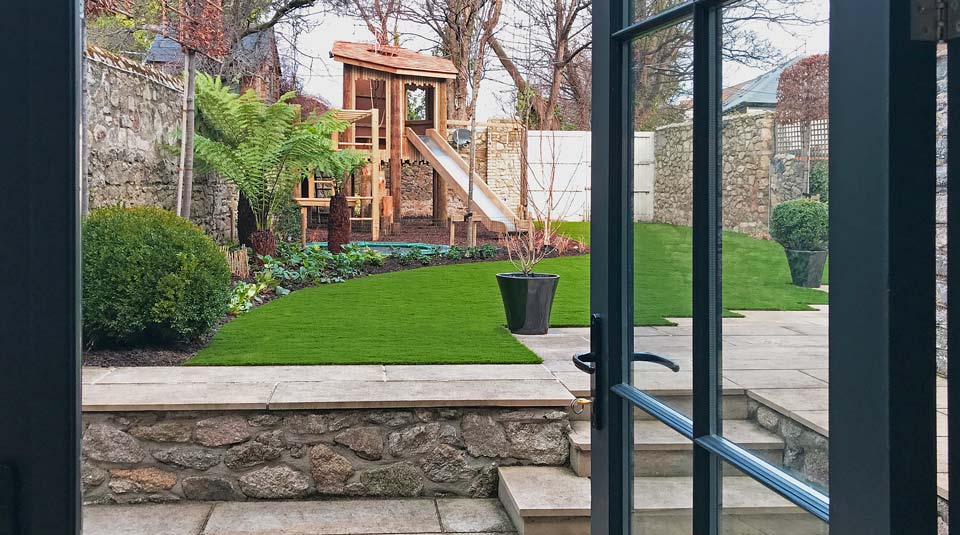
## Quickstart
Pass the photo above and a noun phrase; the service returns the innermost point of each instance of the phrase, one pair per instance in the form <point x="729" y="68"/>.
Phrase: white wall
<point x="564" y="157"/>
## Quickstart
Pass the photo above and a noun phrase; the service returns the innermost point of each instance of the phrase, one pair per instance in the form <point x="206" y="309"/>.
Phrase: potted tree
<point x="801" y="227"/>
<point x="528" y="295"/>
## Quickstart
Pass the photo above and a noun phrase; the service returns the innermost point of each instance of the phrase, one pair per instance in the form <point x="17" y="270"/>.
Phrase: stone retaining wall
<point x="131" y="117"/>
<point x="806" y="452"/>
<point x="238" y="455"/>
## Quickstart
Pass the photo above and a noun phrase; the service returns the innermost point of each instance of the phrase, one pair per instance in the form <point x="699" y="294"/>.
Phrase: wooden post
<point x="472" y="232"/>
<point x="350" y="99"/>
<point x="439" y="198"/>
<point x="440" y="101"/>
<point x="453" y="232"/>
<point x="303" y="226"/>
<point x="396" y="144"/>
<point x="375" y="174"/>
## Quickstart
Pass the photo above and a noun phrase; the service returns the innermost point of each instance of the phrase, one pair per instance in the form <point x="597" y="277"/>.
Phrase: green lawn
<point x="453" y="314"/>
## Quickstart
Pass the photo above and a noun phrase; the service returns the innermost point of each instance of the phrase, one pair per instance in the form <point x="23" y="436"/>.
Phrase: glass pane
<point x="749" y="508"/>
<point x="662" y="180"/>
<point x="663" y="480"/>
<point x="775" y="188"/>
<point x="642" y="9"/>
<point x="942" y="471"/>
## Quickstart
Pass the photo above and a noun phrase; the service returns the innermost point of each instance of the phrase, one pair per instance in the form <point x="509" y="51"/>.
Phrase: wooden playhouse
<point x="395" y="100"/>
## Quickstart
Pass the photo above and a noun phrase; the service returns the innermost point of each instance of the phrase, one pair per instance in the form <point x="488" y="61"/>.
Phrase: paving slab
<point x="174" y="519"/>
<point x="406" y="394"/>
<point x="466" y="515"/>
<point x="653" y="435"/>
<point x="819" y="421"/>
<point x="785" y="341"/>
<point x="823" y="374"/>
<point x="467" y="372"/>
<point x="755" y="379"/>
<point x="338" y="517"/>
<point x="790" y="401"/>
<point x="88" y="375"/>
<point x="242" y="374"/>
<point x="165" y="397"/>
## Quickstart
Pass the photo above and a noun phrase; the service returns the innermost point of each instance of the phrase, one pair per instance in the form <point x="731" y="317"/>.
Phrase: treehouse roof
<point x="392" y="59"/>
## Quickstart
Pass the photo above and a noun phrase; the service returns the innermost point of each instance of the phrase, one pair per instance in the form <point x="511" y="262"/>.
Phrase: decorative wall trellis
<point x="789" y="139"/>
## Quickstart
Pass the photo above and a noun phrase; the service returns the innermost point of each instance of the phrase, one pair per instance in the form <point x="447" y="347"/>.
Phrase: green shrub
<point x="149" y="277"/>
<point x="801" y="225"/>
<point x="820" y="180"/>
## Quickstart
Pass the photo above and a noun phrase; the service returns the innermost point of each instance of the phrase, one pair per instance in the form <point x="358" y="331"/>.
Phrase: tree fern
<point x="264" y="149"/>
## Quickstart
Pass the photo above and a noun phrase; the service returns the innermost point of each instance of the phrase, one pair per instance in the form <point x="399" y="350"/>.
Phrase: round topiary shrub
<point x="149" y="277"/>
<point x="800" y="225"/>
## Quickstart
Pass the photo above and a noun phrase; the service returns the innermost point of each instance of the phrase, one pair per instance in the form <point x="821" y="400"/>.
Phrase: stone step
<point x="735" y="405"/>
<point x="661" y="451"/>
<point x="555" y="501"/>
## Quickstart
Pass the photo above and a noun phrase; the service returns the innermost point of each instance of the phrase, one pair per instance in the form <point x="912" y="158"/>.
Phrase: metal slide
<point x="488" y="207"/>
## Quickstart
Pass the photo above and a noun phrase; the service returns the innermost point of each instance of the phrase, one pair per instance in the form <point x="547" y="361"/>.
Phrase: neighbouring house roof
<point x="163" y="50"/>
<point x="392" y="59"/>
<point x="761" y="92"/>
<point x="256" y="46"/>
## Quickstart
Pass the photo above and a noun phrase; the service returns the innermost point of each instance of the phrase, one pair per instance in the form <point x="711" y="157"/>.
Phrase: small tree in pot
<point x="801" y="227"/>
<point x="527" y="295"/>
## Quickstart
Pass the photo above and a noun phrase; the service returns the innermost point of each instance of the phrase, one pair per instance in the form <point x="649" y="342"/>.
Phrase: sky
<point x="322" y="76"/>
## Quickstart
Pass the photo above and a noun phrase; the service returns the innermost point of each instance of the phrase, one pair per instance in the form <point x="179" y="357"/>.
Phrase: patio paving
<point x="342" y="517"/>
<point x="778" y="358"/>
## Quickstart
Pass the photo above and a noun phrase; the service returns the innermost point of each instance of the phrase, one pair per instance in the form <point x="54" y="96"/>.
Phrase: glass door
<point x="653" y="396"/>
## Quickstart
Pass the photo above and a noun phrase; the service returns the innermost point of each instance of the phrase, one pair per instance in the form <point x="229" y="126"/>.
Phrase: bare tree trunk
<point x="471" y="236"/>
<point x="185" y="181"/>
<point x="806" y="132"/>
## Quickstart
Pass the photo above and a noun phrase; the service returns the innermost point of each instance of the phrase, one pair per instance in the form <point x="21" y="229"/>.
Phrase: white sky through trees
<point x="322" y="76"/>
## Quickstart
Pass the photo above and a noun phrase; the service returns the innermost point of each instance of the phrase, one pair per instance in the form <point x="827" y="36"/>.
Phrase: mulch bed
<point x="178" y="354"/>
<point x="416" y="231"/>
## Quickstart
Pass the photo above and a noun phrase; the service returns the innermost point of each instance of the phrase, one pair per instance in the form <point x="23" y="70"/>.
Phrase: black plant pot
<point x="806" y="267"/>
<point x="527" y="300"/>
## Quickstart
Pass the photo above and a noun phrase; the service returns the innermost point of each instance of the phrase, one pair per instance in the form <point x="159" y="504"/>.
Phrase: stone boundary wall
<point x="499" y="160"/>
<point x="131" y="117"/>
<point x="238" y="455"/>
<point x="748" y="147"/>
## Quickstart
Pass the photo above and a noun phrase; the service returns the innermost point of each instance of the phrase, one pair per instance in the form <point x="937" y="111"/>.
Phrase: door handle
<point x="587" y="362"/>
<point x="656" y="359"/>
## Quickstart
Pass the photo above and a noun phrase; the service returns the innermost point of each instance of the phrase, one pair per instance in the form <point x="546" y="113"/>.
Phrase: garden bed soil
<point x="178" y="354"/>
<point x="416" y="231"/>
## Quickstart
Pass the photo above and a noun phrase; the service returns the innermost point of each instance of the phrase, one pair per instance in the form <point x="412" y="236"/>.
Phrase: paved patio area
<point x="350" y="517"/>
<point x="777" y="358"/>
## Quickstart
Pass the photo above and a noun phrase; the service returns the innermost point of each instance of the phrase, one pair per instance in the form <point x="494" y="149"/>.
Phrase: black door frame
<point x="881" y="300"/>
<point x="39" y="277"/>
<point x="882" y="406"/>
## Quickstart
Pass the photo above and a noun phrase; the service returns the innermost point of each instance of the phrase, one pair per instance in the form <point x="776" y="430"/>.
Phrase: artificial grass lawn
<point x="453" y="314"/>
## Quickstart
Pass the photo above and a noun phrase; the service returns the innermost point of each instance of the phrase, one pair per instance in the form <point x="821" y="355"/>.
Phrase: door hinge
<point x="935" y="20"/>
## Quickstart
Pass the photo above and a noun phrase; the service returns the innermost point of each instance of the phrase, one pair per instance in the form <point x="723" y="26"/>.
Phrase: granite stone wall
<point x="132" y="115"/>
<point x="748" y="147"/>
<point x="239" y="455"/>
